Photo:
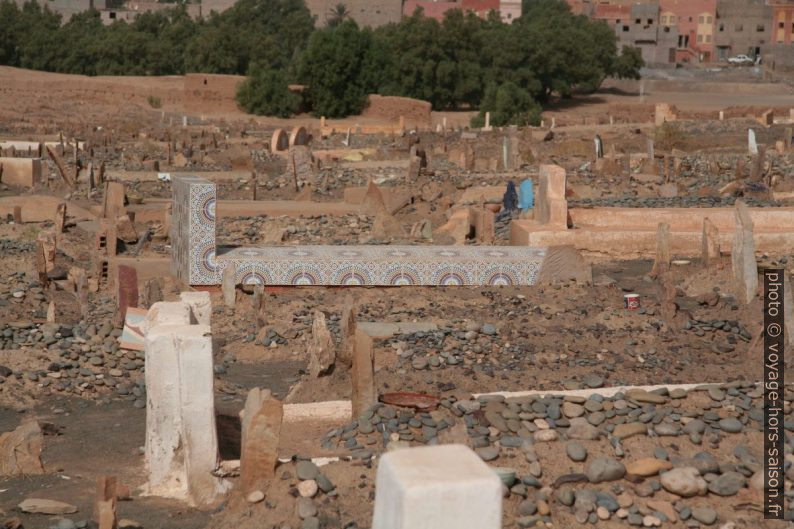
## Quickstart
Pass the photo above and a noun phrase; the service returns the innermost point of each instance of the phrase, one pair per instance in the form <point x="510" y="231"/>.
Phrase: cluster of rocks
<point x="311" y="482"/>
<point x="9" y="247"/>
<point x="345" y="229"/>
<point x="668" y="202"/>
<point x="91" y="360"/>
<point x="506" y="429"/>
<point x="733" y="328"/>
<point x="17" y="290"/>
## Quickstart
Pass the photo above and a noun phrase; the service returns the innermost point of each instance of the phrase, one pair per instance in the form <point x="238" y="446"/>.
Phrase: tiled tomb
<point x="198" y="261"/>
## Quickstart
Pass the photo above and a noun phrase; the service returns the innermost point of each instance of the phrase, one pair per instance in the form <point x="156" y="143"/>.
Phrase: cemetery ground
<point x="589" y="412"/>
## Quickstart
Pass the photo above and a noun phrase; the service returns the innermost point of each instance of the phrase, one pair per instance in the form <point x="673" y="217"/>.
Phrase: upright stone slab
<point x="745" y="269"/>
<point x="261" y="429"/>
<point x="662" y="262"/>
<point x="127" y="291"/>
<point x="362" y="374"/>
<point x="552" y="206"/>
<point x="752" y="145"/>
<point x="347" y="327"/>
<point x="229" y="287"/>
<point x="436" y="487"/>
<point x="200" y="306"/>
<point x="710" y="244"/>
<point x="322" y="349"/>
<point x="181" y="438"/>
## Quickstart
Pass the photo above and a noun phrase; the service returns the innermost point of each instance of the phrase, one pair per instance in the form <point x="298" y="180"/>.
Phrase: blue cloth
<point x="510" y="198"/>
<point x="526" y="195"/>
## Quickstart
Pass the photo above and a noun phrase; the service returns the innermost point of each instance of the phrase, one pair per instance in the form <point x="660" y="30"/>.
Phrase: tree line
<point x="462" y="62"/>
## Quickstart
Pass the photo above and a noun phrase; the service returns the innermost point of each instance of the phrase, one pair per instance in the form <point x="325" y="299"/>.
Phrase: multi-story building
<point x="782" y="22"/>
<point x="743" y="27"/>
<point x="694" y="20"/>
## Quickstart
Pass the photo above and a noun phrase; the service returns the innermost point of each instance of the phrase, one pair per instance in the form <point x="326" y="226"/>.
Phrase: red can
<point x="631" y="301"/>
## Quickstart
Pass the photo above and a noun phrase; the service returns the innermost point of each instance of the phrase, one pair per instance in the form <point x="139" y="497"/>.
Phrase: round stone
<point x="576" y="451"/>
<point x="308" y="488"/>
<point x="730" y="425"/>
<point x="255" y="497"/>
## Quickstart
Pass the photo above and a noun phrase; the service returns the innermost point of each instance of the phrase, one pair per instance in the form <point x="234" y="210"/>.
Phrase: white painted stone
<point x="200" y="306"/>
<point x="168" y="313"/>
<point x="436" y="487"/>
<point x="752" y="145"/>
<point x="181" y="439"/>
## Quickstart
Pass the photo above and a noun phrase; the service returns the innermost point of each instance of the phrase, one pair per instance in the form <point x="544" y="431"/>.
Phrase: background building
<point x="743" y="27"/>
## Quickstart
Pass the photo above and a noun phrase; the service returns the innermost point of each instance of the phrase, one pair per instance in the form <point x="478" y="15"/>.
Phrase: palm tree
<point x="337" y="15"/>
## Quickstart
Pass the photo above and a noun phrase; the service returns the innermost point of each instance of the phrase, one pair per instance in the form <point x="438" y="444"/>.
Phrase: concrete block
<point x="181" y="439"/>
<point x="21" y="172"/>
<point x="168" y="313"/>
<point x="200" y="306"/>
<point x="436" y="487"/>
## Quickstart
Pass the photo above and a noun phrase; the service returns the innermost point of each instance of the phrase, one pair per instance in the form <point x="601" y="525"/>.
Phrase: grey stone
<point x="727" y="484"/>
<point x="605" y="469"/>
<point x="705" y="515"/>
<point x="307" y="470"/>
<point x="730" y="425"/>
<point x="576" y="451"/>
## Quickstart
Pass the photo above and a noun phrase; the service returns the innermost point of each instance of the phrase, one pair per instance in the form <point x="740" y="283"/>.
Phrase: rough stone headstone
<point x="113" y="204"/>
<point x="322" y="349"/>
<point x="710" y="244"/>
<point x="107" y="515"/>
<point x="126" y="291"/>
<point x="229" y="287"/>
<point x="261" y="430"/>
<point x="757" y="169"/>
<point x="649" y="146"/>
<point x="422" y="230"/>
<point x="752" y="145"/>
<point x="438" y="487"/>
<point x="551" y="206"/>
<point x="60" y="218"/>
<point x="745" y="269"/>
<point x="347" y="328"/>
<point x="662" y="261"/>
<point x="787" y="133"/>
<point x="20" y="450"/>
<point x="105" y="492"/>
<point x="362" y="374"/>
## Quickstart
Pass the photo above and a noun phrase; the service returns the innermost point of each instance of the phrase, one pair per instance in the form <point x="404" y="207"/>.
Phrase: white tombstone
<point x="200" y="306"/>
<point x="168" y="313"/>
<point x="181" y="439"/>
<point x="487" y="121"/>
<point x="436" y="487"/>
<point x="722" y="115"/>
<point x="752" y="145"/>
<point x="599" y="147"/>
<point x="184" y="121"/>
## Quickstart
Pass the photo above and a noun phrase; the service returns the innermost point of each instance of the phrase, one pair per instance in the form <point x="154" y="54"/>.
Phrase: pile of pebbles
<point x="90" y="360"/>
<point x="665" y="202"/>
<point x="506" y="429"/>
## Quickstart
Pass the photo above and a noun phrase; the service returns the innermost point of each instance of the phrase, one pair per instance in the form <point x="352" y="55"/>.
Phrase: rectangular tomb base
<point x="436" y="487"/>
<point x="385" y="265"/>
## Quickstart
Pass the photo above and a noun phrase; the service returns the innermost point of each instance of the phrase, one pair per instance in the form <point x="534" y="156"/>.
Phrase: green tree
<point x="337" y="15"/>
<point x="509" y="105"/>
<point x="266" y="92"/>
<point x="628" y="64"/>
<point x="333" y="66"/>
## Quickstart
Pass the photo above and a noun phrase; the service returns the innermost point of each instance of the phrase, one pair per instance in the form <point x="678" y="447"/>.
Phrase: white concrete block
<point x="436" y="487"/>
<point x="200" y="306"/>
<point x="168" y="313"/>
<point x="181" y="438"/>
